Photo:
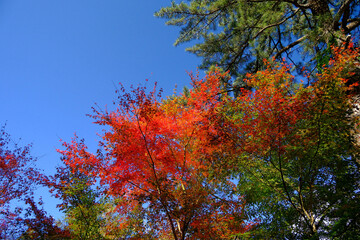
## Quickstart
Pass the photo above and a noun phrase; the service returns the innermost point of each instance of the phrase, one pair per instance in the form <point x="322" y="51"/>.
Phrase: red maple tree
<point x="155" y="157"/>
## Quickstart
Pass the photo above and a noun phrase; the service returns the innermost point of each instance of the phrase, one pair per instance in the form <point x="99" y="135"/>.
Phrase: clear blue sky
<point x="60" y="57"/>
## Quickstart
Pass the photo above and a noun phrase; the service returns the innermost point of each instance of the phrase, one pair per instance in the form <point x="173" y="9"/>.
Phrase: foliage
<point x="41" y="226"/>
<point x="296" y="155"/>
<point x="18" y="177"/>
<point x="279" y="161"/>
<point x="82" y="202"/>
<point x="237" y="35"/>
<point x="155" y="161"/>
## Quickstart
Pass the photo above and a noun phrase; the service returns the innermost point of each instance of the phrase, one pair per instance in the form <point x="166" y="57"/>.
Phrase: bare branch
<point x="338" y="15"/>
<point x="353" y="24"/>
<point x="276" y="24"/>
<point x="290" y="46"/>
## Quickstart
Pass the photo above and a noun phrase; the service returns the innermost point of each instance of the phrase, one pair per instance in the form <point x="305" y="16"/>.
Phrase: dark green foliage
<point x="237" y="35"/>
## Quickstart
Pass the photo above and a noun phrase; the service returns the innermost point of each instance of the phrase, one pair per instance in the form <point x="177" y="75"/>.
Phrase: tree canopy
<point x="154" y="161"/>
<point x="276" y="162"/>
<point x="297" y="162"/>
<point x="237" y="35"/>
<point x="279" y="162"/>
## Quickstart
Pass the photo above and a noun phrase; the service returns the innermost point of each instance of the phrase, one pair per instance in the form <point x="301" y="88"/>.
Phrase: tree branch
<point x="340" y="13"/>
<point x="276" y="24"/>
<point x="290" y="46"/>
<point x="353" y="24"/>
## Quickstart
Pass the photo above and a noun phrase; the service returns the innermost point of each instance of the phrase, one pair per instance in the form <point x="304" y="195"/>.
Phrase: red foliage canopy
<point x="155" y="157"/>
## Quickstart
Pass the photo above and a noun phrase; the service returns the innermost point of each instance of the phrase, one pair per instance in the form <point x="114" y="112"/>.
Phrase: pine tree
<point x="237" y="35"/>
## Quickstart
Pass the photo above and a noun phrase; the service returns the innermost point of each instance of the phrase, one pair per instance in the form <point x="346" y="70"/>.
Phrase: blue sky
<point x="60" y="57"/>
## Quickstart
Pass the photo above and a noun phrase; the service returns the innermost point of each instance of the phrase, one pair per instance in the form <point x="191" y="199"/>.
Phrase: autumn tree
<point x="296" y="161"/>
<point x="297" y="153"/>
<point x="82" y="201"/>
<point x="279" y="161"/>
<point x="18" y="178"/>
<point x="155" y="158"/>
<point x="40" y="226"/>
<point x="237" y="35"/>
